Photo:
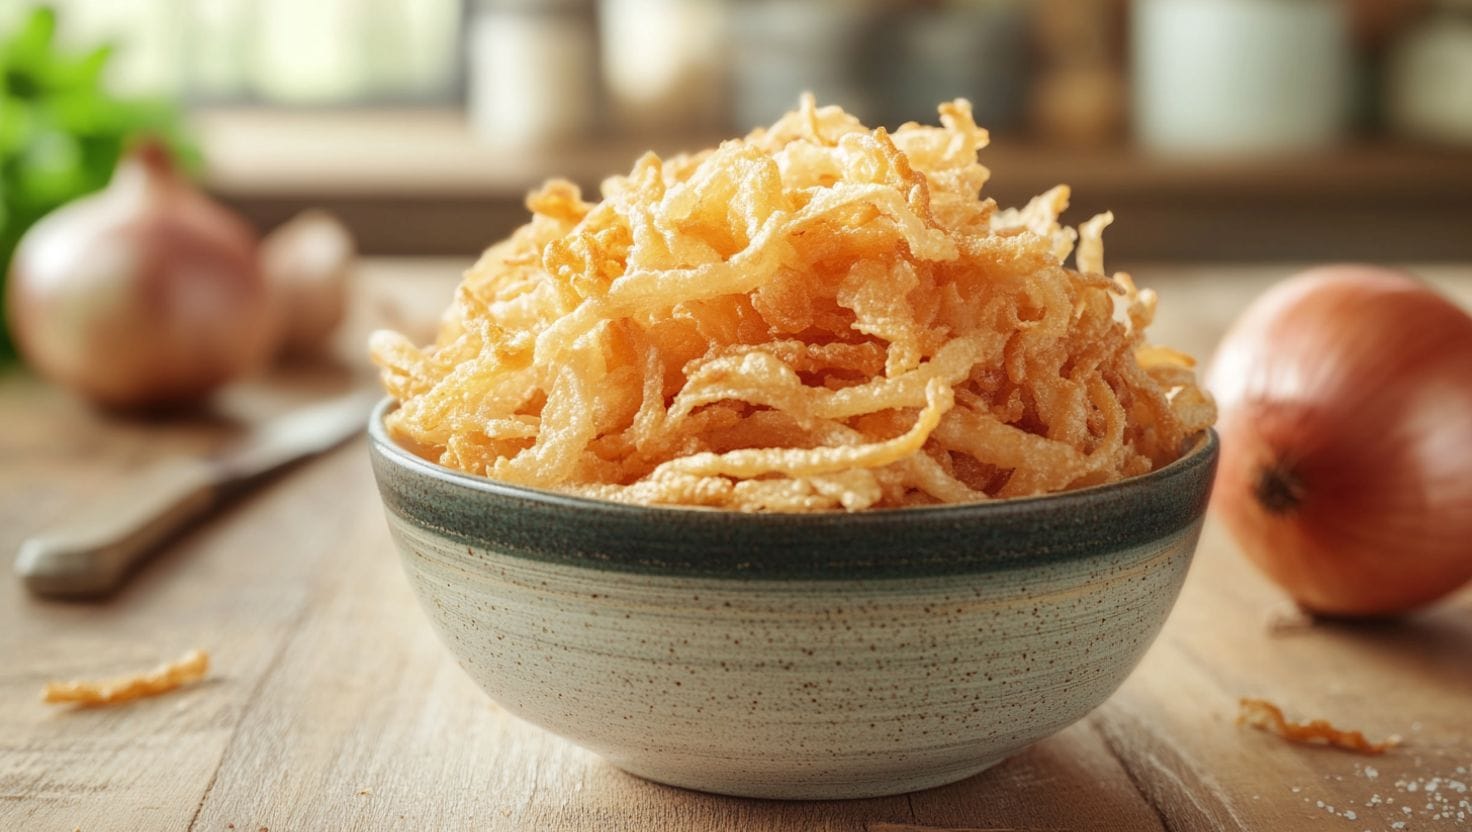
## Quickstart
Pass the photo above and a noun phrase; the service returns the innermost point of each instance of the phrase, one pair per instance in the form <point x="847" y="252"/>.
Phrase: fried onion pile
<point x="817" y="316"/>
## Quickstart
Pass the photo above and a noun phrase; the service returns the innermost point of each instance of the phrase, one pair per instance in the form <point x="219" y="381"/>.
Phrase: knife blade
<point x="96" y="547"/>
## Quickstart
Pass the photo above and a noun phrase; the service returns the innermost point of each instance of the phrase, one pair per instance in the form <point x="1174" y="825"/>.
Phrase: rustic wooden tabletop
<point x="331" y="706"/>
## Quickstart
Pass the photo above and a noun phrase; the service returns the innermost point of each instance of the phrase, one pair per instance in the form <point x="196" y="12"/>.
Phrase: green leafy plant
<point x="61" y="130"/>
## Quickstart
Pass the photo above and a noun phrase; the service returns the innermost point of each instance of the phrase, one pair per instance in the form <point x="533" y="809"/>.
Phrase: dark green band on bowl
<point x="898" y="543"/>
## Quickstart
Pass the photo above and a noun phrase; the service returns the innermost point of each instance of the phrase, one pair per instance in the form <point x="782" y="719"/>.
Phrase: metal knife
<point x="94" y="549"/>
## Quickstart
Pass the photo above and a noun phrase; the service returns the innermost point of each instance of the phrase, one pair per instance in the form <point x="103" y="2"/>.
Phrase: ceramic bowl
<point x="795" y="656"/>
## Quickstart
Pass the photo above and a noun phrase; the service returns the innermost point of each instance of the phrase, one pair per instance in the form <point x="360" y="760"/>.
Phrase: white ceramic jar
<point x="662" y="63"/>
<point x="532" y="74"/>
<point x="1240" y="76"/>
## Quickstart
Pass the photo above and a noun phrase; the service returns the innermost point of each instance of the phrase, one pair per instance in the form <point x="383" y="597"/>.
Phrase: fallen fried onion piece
<point x="191" y="667"/>
<point x="1265" y="716"/>
<point x="816" y="316"/>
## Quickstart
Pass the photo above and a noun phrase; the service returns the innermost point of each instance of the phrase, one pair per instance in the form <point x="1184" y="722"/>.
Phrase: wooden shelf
<point x="409" y="153"/>
<point x="419" y="182"/>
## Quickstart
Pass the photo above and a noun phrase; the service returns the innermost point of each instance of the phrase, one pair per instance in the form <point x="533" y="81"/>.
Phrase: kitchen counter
<point x="330" y="705"/>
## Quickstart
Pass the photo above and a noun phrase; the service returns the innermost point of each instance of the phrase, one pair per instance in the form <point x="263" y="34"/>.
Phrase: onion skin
<point x="1346" y="429"/>
<point x="144" y="295"/>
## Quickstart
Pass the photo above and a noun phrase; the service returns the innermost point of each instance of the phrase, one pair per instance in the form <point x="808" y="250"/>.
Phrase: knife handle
<point x="91" y="551"/>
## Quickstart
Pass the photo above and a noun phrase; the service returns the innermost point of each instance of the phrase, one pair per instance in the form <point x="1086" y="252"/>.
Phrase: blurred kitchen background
<point x="1214" y="129"/>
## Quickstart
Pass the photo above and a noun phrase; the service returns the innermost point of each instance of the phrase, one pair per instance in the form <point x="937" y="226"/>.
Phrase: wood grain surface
<point x="331" y="706"/>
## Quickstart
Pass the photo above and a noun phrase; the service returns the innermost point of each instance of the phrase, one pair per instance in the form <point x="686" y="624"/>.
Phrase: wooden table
<point x="331" y="706"/>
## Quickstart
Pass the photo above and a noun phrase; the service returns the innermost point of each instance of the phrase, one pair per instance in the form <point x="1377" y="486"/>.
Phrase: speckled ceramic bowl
<point x="795" y="656"/>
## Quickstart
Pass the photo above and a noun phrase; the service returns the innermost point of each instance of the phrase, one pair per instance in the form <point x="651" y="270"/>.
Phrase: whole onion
<point x="142" y="295"/>
<point x="1346" y="426"/>
<point x="307" y="262"/>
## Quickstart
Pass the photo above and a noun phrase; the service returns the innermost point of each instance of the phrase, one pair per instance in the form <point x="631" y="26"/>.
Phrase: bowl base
<point x="772" y="786"/>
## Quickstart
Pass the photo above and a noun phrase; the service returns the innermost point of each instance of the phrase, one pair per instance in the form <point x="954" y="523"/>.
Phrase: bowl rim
<point x="1206" y="446"/>
<point x="482" y="515"/>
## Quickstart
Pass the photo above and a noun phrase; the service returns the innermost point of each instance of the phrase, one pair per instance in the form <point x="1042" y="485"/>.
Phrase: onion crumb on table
<point x="1265" y="716"/>
<point x="191" y="667"/>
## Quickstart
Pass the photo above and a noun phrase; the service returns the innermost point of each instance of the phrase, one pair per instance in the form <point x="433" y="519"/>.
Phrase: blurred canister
<point x="780" y="48"/>
<point x="532" y="75"/>
<point x="662" y="63"/>
<point x="1429" y="77"/>
<point x="973" y="49"/>
<point x="1240" y="76"/>
<point x="1078" y="95"/>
